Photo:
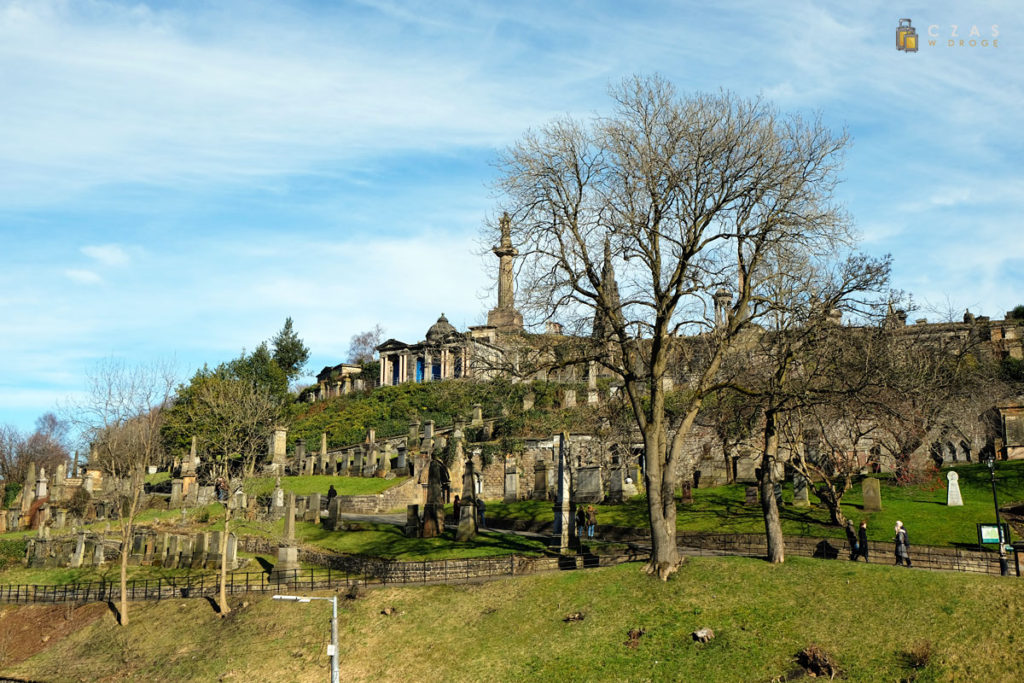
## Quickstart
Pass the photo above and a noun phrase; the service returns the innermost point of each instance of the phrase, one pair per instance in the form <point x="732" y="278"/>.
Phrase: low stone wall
<point x="408" y="492"/>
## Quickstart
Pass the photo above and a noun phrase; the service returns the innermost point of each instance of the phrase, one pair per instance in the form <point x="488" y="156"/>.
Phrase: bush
<point x="12" y="553"/>
<point x="79" y="503"/>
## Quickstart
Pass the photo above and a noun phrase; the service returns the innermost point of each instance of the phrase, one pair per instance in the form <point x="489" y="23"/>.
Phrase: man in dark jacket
<point x="862" y="539"/>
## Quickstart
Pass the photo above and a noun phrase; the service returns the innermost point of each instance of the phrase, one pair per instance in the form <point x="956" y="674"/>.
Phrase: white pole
<point x="334" y="640"/>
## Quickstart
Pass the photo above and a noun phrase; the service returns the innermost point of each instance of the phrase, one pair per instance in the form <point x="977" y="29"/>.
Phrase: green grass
<point x="866" y="616"/>
<point x="158" y="478"/>
<point x="387" y="540"/>
<point x="303" y="486"/>
<point x="922" y="509"/>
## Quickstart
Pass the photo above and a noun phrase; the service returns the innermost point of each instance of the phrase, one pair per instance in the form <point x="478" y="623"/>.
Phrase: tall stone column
<point x="562" y="503"/>
<point x="504" y="315"/>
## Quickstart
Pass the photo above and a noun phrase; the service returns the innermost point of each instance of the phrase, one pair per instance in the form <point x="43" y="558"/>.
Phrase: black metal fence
<point x="922" y="556"/>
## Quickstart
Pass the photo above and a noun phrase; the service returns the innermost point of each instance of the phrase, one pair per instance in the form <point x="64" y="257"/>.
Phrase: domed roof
<point x="439" y="330"/>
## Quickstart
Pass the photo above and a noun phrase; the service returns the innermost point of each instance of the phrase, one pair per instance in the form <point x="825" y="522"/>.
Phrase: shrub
<point x="79" y="503"/>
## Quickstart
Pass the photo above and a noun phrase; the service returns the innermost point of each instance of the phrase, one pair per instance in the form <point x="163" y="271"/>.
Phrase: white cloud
<point x="107" y="254"/>
<point x="85" y="277"/>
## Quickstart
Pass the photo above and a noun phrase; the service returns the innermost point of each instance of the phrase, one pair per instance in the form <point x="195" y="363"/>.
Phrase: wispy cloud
<point x="107" y="254"/>
<point x="85" y="277"/>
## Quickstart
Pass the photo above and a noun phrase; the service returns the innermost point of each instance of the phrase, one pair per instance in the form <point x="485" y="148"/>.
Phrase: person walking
<point x="902" y="544"/>
<point x="591" y="521"/>
<point x="581" y="525"/>
<point x="481" y="510"/>
<point x="332" y="493"/>
<point x="862" y="540"/>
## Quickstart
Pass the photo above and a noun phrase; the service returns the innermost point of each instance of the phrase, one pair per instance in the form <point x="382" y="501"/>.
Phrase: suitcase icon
<point x="906" y="37"/>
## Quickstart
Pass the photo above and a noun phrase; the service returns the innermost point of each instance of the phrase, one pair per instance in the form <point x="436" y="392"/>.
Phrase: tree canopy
<point x="290" y="353"/>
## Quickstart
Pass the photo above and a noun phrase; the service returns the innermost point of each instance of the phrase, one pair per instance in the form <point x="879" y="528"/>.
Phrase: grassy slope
<point x="303" y="486"/>
<point x="866" y="616"/>
<point x="921" y="508"/>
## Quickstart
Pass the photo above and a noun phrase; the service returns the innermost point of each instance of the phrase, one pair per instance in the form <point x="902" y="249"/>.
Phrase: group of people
<point x="859" y="543"/>
<point x="586" y="518"/>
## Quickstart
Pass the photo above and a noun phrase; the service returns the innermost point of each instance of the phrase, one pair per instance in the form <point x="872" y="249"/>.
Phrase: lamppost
<point x="333" y="649"/>
<point x="1003" y="565"/>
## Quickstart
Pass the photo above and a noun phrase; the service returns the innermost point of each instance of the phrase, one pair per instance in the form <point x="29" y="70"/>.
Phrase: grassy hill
<point x="389" y="410"/>
<point x="871" y="619"/>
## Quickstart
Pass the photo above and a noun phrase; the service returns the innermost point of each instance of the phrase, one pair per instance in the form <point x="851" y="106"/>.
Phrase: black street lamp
<point x="1004" y="568"/>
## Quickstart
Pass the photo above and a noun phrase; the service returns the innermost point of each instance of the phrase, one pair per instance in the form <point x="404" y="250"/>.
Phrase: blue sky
<point x="178" y="177"/>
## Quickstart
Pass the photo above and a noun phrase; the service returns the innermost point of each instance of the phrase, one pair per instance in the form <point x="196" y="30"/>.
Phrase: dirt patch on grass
<point x="26" y="630"/>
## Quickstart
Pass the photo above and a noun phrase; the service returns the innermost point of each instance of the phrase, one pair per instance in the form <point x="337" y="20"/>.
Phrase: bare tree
<point x="121" y="416"/>
<point x="689" y="195"/>
<point x="47" y="447"/>
<point x="362" y="346"/>
<point x="232" y="419"/>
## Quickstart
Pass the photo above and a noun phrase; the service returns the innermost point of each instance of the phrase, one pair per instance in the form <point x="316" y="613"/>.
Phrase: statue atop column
<point x="505" y="316"/>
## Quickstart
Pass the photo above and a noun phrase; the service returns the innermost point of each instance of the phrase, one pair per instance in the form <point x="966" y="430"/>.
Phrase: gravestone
<point x="871" y="492"/>
<point x="511" y="481"/>
<point x="41" y="484"/>
<point x="686" y="497"/>
<point x="334" y="514"/>
<point x="173" y="550"/>
<point x="589" y="487"/>
<point x="433" y="512"/>
<point x="289" y="520"/>
<point x="402" y="466"/>
<point x="467" y="519"/>
<point x="357" y="463"/>
<point x="412" y="521"/>
<point x="427" y="445"/>
<point x="620" y="485"/>
<point x="953" y="497"/>
<point x="277" y="497"/>
<point x="800" y="492"/>
<point x="467" y="522"/>
<point x="313" y="508"/>
<point x="79" y="554"/>
<point x="300" y="455"/>
<point x="277" y="445"/>
<point x="287" y="553"/>
<point x="541" y="477"/>
<point x="751" y="495"/>
<point x="529" y="398"/>
<point x="412" y="442"/>
<point x="478" y="415"/>
<point x="569" y="398"/>
<point x="176" y="497"/>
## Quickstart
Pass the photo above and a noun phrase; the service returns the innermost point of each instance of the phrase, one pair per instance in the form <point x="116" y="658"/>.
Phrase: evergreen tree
<point x="261" y="370"/>
<point x="290" y="353"/>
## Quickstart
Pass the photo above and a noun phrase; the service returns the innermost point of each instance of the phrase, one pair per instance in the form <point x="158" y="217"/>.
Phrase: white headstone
<point x="953" y="496"/>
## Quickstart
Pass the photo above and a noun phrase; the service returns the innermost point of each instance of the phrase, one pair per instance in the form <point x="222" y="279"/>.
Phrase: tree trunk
<point x="223" y="599"/>
<point x="727" y="452"/>
<point x="660" y="482"/>
<point x="772" y="524"/>
<point x="126" y="541"/>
